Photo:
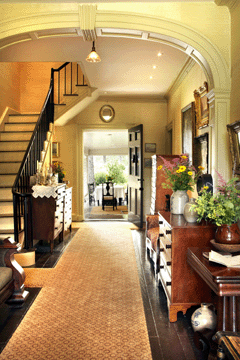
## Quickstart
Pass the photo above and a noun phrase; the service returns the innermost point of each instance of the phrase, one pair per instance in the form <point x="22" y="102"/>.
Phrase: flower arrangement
<point x="179" y="173"/>
<point x="109" y="178"/>
<point x="58" y="169"/>
<point x="222" y="208"/>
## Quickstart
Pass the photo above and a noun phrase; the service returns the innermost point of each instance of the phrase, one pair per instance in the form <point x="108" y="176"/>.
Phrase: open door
<point x="135" y="177"/>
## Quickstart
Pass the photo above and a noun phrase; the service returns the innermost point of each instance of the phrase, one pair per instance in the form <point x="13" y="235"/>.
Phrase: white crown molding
<point x="87" y="19"/>
<point x="189" y="64"/>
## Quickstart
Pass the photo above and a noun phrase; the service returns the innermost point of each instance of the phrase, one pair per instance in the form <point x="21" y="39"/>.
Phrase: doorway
<point x="105" y="159"/>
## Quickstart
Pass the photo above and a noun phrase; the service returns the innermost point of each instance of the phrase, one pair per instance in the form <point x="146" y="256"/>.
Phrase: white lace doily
<point x="41" y="191"/>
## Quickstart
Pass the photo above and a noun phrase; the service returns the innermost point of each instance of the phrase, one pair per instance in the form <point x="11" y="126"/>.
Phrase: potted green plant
<point x="181" y="176"/>
<point x="222" y="209"/>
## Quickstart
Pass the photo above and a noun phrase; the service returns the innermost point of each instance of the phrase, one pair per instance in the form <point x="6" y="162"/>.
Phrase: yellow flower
<point x="182" y="168"/>
<point x="205" y="187"/>
<point x="190" y="173"/>
<point x="178" y="171"/>
<point x="159" y="167"/>
<point x="184" y="157"/>
<point x="201" y="167"/>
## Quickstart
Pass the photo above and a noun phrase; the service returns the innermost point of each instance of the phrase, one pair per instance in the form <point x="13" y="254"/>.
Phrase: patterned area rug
<point x="90" y="306"/>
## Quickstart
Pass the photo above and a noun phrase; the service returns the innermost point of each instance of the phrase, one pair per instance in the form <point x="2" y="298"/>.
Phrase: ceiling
<point x="126" y="64"/>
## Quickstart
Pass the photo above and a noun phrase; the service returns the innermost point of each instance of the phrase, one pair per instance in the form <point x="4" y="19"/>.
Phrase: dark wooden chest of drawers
<point x="182" y="286"/>
<point x="52" y="215"/>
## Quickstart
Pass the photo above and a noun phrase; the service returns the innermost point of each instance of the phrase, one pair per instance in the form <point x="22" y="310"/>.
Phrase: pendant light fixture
<point x="93" y="56"/>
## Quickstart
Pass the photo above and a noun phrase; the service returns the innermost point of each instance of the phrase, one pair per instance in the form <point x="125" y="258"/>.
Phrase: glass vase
<point x="189" y="214"/>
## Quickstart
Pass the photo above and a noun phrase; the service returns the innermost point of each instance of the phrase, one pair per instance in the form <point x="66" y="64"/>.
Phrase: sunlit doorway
<point x="105" y="159"/>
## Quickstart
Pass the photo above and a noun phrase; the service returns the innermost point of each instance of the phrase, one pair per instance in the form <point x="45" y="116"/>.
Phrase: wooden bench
<point x="228" y="345"/>
<point x="12" y="275"/>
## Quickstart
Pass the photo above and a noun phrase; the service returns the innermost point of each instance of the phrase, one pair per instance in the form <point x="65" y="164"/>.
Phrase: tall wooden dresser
<point x="158" y="198"/>
<point x="51" y="212"/>
<point x="183" y="288"/>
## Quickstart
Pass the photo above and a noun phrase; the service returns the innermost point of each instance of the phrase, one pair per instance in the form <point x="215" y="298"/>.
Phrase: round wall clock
<point x="106" y="113"/>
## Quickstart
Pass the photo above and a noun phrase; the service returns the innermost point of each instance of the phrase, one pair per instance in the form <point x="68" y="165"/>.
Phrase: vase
<point x="189" y="214"/>
<point x="204" y="318"/>
<point x="228" y="234"/>
<point x="178" y="200"/>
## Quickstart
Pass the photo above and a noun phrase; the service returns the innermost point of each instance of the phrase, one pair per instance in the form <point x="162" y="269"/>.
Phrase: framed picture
<point x="55" y="149"/>
<point x="234" y="139"/>
<point x="148" y="162"/>
<point x="150" y="148"/>
<point x="188" y="130"/>
<point x="201" y="106"/>
<point x="201" y="152"/>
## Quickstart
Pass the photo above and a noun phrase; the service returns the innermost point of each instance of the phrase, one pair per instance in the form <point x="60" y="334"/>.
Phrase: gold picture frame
<point x="201" y="106"/>
<point x="234" y="139"/>
<point x="55" y="149"/>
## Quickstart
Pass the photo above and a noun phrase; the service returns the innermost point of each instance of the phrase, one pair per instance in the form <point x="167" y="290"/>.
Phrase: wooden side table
<point x="225" y="282"/>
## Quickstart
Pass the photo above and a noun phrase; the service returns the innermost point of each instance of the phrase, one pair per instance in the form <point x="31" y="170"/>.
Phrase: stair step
<point x="6" y="207"/>
<point x="7" y="180"/>
<point x="9" y="167"/>
<point x="7" y="232"/>
<point x="6" y="193"/>
<point x="6" y="156"/>
<point x="20" y="126"/>
<point x="6" y="222"/>
<point x="23" y="118"/>
<point x="13" y="145"/>
<point x="11" y="135"/>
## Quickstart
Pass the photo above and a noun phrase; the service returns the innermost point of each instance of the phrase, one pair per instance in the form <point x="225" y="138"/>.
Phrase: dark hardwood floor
<point x="168" y="341"/>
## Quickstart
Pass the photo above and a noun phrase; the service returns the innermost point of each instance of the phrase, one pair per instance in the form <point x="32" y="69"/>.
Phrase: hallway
<point x="167" y="341"/>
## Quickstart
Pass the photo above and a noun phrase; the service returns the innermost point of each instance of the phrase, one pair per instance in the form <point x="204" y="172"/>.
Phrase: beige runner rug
<point x="90" y="306"/>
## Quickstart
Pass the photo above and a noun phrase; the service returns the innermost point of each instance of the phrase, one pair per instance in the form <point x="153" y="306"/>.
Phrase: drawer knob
<point x="168" y="232"/>
<point x="161" y="249"/>
<point x="169" y="263"/>
<point x="168" y="246"/>
<point x="160" y="222"/>
<point x="161" y="267"/>
<point x="168" y="283"/>
<point x="161" y="235"/>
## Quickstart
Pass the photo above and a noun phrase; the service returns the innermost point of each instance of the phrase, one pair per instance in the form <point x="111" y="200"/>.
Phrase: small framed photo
<point x="55" y="149"/>
<point x="148" y="162"/>
<point x="150" y="147"/>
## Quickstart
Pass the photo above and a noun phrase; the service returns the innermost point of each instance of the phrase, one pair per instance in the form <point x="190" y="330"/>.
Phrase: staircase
<point x="24" y="143"/>
<point x="14" y="141"/>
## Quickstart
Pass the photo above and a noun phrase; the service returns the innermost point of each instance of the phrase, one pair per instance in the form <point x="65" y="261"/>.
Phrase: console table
<point x="225" y="282"/>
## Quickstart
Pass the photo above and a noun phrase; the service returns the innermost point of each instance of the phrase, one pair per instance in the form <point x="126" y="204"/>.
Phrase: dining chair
<point x="108" y="198"/>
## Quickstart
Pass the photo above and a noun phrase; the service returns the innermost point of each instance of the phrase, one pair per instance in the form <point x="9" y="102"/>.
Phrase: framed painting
<point x="201" y="152"/>
<point x="234" y="139"/>
<point x="201" y="106"/>
<point x="55" y="149"/>
<point x="150" y="147"/>
<point x="188" y="130"/>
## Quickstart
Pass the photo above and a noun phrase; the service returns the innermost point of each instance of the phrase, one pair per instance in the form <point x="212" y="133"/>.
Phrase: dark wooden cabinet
<point x="181" y="284"/>
<point x="158" y="193"/>
<point x="52" y="214"/>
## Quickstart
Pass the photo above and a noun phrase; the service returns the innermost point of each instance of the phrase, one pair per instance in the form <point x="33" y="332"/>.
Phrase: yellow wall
<point x="153" y="116"/>
<point x="235" y="94"/>
<point x="9" y="86"/>
<point x="180" y="98"/>
<point x="34" y="82"/>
